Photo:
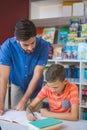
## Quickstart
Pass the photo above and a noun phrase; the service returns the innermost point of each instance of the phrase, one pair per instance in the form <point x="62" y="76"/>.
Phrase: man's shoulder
<point x="9" y="41"/>
<point x="42" y="41"/>
<point x="12" y="40"/>
<point x="8" y="45"/>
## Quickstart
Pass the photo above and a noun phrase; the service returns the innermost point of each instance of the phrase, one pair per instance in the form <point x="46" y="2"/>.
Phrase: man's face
<point x="28" y="45"/>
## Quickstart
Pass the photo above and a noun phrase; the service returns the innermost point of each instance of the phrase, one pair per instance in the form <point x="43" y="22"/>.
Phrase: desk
<point x="5" y="125"/>
<point x="67" y="125"/>
<point x="74" y="125"/>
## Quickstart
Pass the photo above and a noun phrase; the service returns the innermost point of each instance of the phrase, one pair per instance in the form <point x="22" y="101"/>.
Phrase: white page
<point x="38" y="115"/>
<point x="18" y="116"/>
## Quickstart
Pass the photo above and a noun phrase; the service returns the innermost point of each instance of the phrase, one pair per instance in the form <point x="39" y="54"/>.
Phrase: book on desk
<point x="45" y="124"/>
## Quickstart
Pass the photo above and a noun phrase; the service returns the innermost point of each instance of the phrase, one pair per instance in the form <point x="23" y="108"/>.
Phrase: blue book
<point x="63" y="37"/>
<point x="45" y="124"/>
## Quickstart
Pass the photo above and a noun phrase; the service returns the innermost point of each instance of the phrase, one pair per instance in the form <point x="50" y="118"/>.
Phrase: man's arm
<point x="4" y="75"/>
<point x="73" y="115"/>
<point x="32" y="86"/>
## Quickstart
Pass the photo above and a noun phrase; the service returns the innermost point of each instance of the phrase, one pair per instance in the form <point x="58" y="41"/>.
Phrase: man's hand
<point x="1" y="108"/>
<point x="20" y="106"/>
<point x="1" y="112"/>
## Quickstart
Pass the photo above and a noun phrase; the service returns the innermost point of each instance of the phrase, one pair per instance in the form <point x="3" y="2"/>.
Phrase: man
<point x="22" y="58"/>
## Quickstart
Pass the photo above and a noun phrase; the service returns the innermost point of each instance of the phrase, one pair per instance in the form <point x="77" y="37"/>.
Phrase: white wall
<point x="35" y="11"/>
<point x="51" y="11"/>
<point x="39" y="11"/>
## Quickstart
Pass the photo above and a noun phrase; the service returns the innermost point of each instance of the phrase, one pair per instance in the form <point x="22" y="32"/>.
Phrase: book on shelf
<point x="71" y="36"/>
<point x="82" y="51"/>
<point x="74" y="24"/>
<point x="63" y="37"/>
<point x="67" y="8"/>
<point x="68" y="3"/>
<point x="50" y="55"/>
<point x="84" y="30"/>
<point x="70" y="52"/>
<point x="39" y="31"/>
<point x="49" y="34"/>
<point x="45" y="124"/>
<point x="58" y="52"/>
<point x="84" y="27"/>
<point x="80" y="40"/>
<point x="78" y="9"/>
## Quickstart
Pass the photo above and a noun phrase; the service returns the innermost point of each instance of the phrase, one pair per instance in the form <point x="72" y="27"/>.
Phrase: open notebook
<point x="18" y="116"/>
<point x="42" y="123"/>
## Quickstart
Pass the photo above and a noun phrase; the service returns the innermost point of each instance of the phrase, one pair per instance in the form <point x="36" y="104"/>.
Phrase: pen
<point x="27" y="106"/>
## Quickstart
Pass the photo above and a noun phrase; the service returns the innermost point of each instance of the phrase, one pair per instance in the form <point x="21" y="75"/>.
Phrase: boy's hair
<point x="55" y="72"/>
<point x="24" y="29"/>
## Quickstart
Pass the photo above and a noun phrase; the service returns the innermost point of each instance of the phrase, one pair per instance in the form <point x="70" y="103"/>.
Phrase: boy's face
<point x="57" y="86"/>
<point x="28" y="45"/>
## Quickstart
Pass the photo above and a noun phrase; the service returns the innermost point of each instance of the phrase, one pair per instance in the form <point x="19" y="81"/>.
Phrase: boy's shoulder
<point x="70" y="85"/>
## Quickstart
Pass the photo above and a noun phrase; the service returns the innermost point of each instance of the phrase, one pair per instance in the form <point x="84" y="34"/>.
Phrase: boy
<point x="62" y="96"/>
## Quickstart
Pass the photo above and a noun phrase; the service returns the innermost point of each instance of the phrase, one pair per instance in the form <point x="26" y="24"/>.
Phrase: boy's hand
<point x="44" y="112"/>
<point x="30" y="117"/>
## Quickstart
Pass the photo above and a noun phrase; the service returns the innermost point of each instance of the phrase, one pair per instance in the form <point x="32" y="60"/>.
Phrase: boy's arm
<point x="32" y="106"/>
<point x="73" y="115"/>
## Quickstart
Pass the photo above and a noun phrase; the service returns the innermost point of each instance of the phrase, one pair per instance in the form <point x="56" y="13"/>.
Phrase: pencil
<point x="27" y="106"/>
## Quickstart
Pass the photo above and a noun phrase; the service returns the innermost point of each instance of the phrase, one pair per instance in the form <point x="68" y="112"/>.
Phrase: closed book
<point x="49" y="34"/>
<point x="39" y="31"/>
<point x="63" y="37"/>
<point x="45" y="124"/>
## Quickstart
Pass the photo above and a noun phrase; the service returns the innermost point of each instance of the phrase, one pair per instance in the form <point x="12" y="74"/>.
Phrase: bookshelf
<point x="45" y="13"/>
<point x="55" y="22"/>
<point x="60" y="21"/>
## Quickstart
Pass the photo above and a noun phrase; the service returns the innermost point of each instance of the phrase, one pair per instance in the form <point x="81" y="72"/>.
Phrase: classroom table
<point x="67" y="125"/>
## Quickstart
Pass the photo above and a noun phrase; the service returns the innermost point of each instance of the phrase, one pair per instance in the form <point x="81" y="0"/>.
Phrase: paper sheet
<point x="18" y="116"/>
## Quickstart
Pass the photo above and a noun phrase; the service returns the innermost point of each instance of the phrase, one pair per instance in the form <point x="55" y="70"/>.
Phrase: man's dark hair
<point x="24" y="29"/>
<point x="55" y="72"/>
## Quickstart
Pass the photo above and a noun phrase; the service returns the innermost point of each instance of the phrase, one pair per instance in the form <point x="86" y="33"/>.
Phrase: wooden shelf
<point x="60" y="21"/>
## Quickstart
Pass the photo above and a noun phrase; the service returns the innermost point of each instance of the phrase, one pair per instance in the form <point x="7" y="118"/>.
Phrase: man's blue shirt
<point x="23" y="64"/>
